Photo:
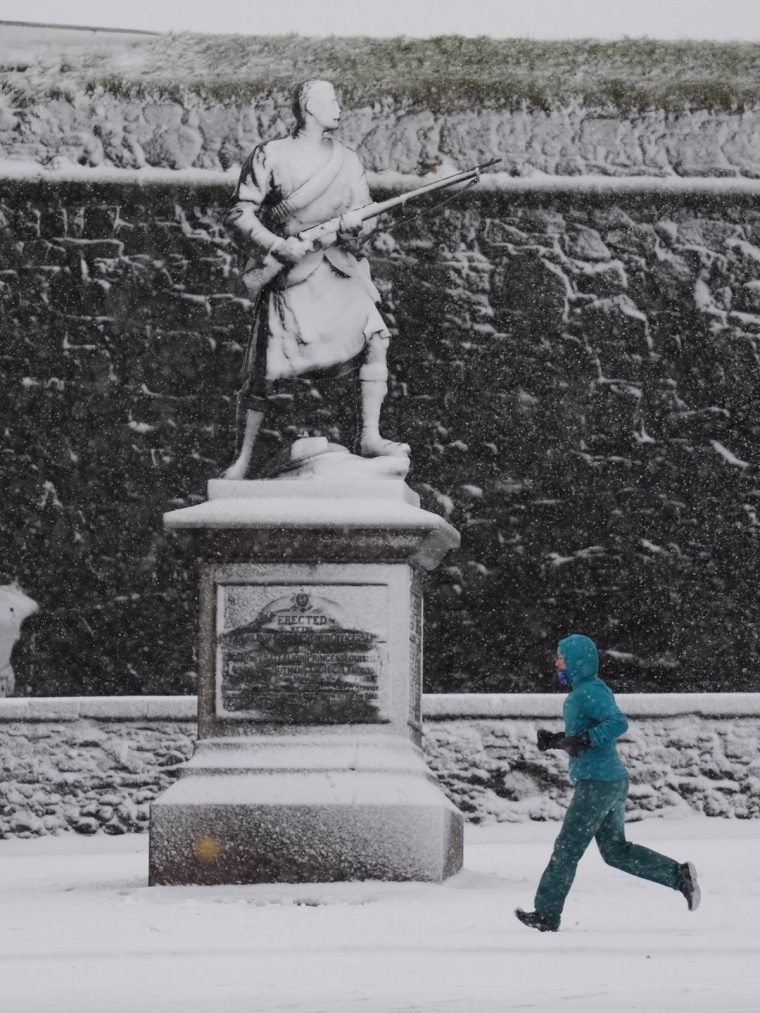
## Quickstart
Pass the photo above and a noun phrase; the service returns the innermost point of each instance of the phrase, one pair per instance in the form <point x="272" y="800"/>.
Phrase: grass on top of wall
<point x="438" y="73"/>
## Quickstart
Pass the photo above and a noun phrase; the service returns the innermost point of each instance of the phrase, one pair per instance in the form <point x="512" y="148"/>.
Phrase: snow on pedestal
<point x="308" y="764"/>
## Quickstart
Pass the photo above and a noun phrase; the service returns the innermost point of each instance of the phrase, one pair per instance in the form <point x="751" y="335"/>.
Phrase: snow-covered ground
<point x="81" y="932"/>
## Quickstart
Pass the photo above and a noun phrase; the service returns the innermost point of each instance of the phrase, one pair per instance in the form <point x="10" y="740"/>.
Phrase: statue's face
<point x="323" y="105"/>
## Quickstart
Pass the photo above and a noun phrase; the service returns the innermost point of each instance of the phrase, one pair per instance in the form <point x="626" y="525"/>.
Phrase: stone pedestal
<point x="308" y="764"/>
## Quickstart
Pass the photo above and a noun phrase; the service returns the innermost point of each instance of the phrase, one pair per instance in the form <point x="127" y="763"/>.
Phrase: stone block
<point x="53" y="223"/>
<point x="100" y="223"/>
<point x="615" y="319"/>
<point x="747" y="298"/>
<point x="177" y="363"/>
<point x="174" y="147"/>
<point x="583" y="243"/>
<point x="304" y="827"/>
<point x="180" y="310"/>
<point x="602" y="280"/>
<point x="92" y="367"/>
<point x="536" y="289"/>
<point x="26" y="222"/>
<point x="95" y="249"/>
<point x="231" y="311"/>
<point x="202" y="277"/>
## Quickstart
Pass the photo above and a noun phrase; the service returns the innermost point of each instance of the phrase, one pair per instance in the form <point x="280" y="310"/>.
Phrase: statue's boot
<point x="370" y="442"/>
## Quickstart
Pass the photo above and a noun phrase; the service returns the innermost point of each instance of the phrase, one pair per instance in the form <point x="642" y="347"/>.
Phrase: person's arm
<point x="242" y="219"/>
<point x="606" y="722"/>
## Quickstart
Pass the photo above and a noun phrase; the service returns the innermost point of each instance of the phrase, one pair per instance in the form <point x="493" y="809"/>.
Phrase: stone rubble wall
<point x="106" y="130"/>
<point x="576" y="373"/>
<point x="494" y="772"/>
<point x="81" y="769"/>
<point x="86" y="776"/>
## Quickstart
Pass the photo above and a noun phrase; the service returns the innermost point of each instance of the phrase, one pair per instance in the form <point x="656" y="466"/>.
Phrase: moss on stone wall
<point x="437" y="73"/>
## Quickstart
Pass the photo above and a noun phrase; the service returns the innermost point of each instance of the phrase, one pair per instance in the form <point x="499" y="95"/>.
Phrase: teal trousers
<point x="597" y="809"/>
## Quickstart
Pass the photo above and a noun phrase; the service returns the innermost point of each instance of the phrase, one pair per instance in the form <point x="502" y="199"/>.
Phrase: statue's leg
<point x="239" y="468"/>
<point x="373" y="378"/>
<point x="252" y="404"/>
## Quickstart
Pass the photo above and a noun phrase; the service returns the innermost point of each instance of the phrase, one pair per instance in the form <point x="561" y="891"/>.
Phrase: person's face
<point x="323" y="105"/>
<point x="560" y="667"/>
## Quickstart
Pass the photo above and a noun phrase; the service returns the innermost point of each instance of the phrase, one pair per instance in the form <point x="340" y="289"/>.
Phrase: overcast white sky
<point x="672" y="19"/>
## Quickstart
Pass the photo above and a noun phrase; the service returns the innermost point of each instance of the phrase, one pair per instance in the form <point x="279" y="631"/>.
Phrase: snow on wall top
<point x="61" y="170"/>
<point x="436" y="707"/>
<point x="442" y="706"/>
<point x="113" y="708"/>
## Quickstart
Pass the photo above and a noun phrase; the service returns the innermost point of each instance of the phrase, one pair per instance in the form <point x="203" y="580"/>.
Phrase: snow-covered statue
<point x="301" y="211"/>
<point x="316" y="305"/>
<point x="15" y="607"/>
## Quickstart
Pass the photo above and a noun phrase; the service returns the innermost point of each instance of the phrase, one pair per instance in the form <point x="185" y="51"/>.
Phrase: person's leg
<point x="633" y="858"/>
<point x="589" y="806"/>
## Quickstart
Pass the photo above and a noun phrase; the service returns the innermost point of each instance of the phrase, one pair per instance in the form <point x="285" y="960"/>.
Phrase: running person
<point x="593" y="723"/>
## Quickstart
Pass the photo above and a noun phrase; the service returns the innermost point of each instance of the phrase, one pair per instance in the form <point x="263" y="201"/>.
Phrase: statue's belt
<point x="309" y="191"/>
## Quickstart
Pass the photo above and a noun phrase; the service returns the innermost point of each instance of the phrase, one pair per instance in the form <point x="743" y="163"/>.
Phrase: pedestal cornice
<point x="302" y="520"/>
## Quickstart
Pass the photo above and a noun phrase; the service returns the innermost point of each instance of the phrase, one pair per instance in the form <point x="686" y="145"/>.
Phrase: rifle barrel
<point x="439" y="184"/>
<point x="380" y="207"/>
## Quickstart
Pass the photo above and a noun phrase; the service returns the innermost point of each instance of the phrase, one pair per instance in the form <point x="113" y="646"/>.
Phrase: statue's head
<point x="317" y="99"/>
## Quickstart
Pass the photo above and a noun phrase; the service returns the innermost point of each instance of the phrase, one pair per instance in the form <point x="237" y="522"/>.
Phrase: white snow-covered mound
<point x="81" y="932"/>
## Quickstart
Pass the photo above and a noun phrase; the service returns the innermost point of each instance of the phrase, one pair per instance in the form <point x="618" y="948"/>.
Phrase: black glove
<point x="576" y="744"/>
<point x="573" y="744"/>
<point x="548" y="740"/>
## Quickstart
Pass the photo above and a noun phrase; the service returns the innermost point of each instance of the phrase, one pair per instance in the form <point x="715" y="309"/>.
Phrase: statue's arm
<point x="242" y="220"/>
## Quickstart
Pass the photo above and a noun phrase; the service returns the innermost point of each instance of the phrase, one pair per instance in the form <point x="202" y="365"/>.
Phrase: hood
<point x="581" y="658"/>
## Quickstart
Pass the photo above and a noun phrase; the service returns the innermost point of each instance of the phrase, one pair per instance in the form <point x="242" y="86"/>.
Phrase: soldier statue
<point x="315" y="305"/>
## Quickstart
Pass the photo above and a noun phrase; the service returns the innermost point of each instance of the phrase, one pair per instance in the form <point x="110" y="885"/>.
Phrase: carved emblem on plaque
<point x="298" y="662"/>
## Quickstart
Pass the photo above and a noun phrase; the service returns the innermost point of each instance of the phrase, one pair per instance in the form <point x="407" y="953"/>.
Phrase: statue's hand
<point x="351" y="223"/>
<point x="326" y="239"/>
<point x="291" y="250"/>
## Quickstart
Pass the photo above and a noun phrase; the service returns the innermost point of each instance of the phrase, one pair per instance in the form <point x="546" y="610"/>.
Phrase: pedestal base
<point x="247" y="815"/>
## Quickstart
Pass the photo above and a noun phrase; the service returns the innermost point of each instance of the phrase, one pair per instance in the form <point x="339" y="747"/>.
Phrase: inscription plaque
<point x="298" y="657"/>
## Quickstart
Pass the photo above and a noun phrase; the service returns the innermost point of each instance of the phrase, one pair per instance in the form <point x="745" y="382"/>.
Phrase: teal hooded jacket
<point x="590" y="707"/>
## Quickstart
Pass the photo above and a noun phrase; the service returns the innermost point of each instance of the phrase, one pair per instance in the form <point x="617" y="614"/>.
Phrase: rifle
<point x="257" y="277"/>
